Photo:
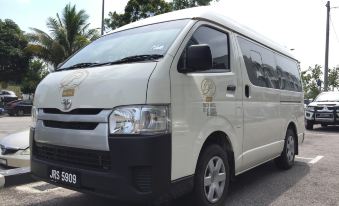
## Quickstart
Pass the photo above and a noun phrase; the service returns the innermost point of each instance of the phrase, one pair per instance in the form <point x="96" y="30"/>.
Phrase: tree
<point x="135" y="10"/>
<point x="183" y="4"/>
<point x="68" y="33"/>
<point x="36" y="72"/>
<point x="140" y="9"/>
<point x="310" y="78"/>
<point x="13" y="60"/>
<point x="333" y="78"/>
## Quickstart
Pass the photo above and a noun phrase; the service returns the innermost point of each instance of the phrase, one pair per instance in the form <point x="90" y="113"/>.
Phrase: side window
<point x="260" y="64"/>
<point x="218" y="43"/>
<point x="288" y="68"/>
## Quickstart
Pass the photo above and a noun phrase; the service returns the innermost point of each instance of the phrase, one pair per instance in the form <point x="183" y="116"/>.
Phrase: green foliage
<point x="309" y="80"/>
<point x="333" y="78"/>
<point x="183" y="4"/>
<point x="140" y="9"/>
<point x="36" y="72"/>
<point x="135" y="10"/>
<point x="68" y="33"/>
<point x="13" y="60"/>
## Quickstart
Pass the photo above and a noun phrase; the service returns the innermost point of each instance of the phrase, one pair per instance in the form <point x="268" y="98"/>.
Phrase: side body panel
<point x="196" y="115"/>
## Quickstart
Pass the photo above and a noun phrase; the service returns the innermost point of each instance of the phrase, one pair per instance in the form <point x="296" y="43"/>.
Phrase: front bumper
<point x="319" y="116"/>
<point x="140" y="168"/>
<point x="13" y="160"/>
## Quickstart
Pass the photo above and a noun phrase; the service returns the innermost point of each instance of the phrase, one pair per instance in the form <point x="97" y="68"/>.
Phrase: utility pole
<point x="326" y="48"/>
<point x="102" y="17"/>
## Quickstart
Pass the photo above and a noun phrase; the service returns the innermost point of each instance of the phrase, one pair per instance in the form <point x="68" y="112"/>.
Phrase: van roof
<point x="208" y="13"/>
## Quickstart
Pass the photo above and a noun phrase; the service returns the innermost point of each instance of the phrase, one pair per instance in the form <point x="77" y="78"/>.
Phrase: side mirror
<point x="199" y="57"/>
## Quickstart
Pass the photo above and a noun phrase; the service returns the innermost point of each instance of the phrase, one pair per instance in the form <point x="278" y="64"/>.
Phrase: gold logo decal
<point x="71" y="82"/>
<point x="208" y="89"/>
<point x="68" y="93"/>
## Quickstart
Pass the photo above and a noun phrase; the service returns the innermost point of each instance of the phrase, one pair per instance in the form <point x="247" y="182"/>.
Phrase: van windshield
<point x="138" y="44"/>
<point x="328" y="97"/>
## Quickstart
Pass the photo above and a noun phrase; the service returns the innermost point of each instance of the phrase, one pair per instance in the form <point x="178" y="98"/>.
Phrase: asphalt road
<point x="314" y="180"/>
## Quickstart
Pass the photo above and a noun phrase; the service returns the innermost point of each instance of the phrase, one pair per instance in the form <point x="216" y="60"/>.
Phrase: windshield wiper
<point x="78" y="66"/>
<point x="135" y="58"/>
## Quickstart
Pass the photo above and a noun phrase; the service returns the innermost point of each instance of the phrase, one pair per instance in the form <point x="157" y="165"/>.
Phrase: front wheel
<point x="286" y="159"/>
<point x="309" y="125"/>
<point x="212" y="177"/>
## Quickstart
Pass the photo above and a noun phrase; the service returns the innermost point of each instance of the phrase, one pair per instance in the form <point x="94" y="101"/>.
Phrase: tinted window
<point x="218" y="43"/>
<point x="260" y="64"/>
<point x="288" y="68"/>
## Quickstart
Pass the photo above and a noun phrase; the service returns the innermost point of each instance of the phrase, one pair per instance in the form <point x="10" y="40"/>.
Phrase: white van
<point x="165" y="106"/>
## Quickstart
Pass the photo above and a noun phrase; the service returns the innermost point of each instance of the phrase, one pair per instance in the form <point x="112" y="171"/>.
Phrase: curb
<point x="15" y="177"/>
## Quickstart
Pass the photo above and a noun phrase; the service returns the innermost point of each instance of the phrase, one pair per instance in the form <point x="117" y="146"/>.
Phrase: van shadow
<point x="259" y="186"/>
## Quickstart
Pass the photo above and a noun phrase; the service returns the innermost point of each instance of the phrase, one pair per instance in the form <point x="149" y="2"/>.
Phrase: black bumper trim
<point x="140" y="170"/>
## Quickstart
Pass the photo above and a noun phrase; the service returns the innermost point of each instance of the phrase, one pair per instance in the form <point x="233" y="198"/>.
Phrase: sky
<point x="295" y="24"/>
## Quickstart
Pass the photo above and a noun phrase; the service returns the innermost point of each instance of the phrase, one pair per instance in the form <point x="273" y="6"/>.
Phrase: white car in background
<point x="6" y="94"/>
<point x="323" y="110"/>
<point x="14" y="150"/>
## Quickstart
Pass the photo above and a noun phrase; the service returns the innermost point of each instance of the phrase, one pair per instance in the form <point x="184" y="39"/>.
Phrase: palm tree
<point x="68" y="34"/>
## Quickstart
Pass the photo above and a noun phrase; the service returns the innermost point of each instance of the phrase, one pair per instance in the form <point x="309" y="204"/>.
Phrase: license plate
<point x="64" y="176"/>
<point x="3" y="162"/>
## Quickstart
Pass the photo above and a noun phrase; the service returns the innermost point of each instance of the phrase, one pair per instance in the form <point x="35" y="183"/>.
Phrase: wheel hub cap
<point x="290" y="148"/>
<point x="214" y="179"/>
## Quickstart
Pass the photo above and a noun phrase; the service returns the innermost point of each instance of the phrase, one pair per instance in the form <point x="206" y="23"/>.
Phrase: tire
<point x="286" y="159"/>
<point x="212" y="165"/>
<point x="309" y="125"/>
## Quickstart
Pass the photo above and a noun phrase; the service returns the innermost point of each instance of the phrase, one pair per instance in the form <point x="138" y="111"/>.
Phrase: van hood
<point x="96" y="87"/>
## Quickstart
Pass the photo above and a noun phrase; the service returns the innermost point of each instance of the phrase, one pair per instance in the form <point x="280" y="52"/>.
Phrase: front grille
<point x="142" y="178"/>
<point x="84" y="111"/>
<point x="88" y="159"/>
<point x="71" y="125"/>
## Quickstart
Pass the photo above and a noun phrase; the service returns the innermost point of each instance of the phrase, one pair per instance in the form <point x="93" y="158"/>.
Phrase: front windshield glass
<point x="328" y="97"/>
<point x="151" y="40"/>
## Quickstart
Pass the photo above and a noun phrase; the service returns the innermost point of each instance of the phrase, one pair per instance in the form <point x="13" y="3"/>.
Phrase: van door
<point x="262" y="121"/>
<point x="204" y="102"/>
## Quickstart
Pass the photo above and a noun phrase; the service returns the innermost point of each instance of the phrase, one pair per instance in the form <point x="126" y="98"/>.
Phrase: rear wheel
<point x="309" y="125"/>
<point x="286" y="159"/>
<point x="212" y="177"/>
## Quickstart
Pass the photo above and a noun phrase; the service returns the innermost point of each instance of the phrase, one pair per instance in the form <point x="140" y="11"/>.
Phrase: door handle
<point x="231" y="88"/>
<point x="247" y="91"/>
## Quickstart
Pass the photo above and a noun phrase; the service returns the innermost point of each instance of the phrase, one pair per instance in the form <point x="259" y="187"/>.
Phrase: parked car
<point x="323" y="110"/>
<point x="189" y="100"/>
<point x="14" y="150"/>
<point x="2" y="110"/>
<point x="7" y="96"/>
<point x="19" y="107"/>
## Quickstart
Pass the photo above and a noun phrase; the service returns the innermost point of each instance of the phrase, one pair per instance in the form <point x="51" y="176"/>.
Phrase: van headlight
<point x="34" y="116"/>
<point x="140" y="119"/>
